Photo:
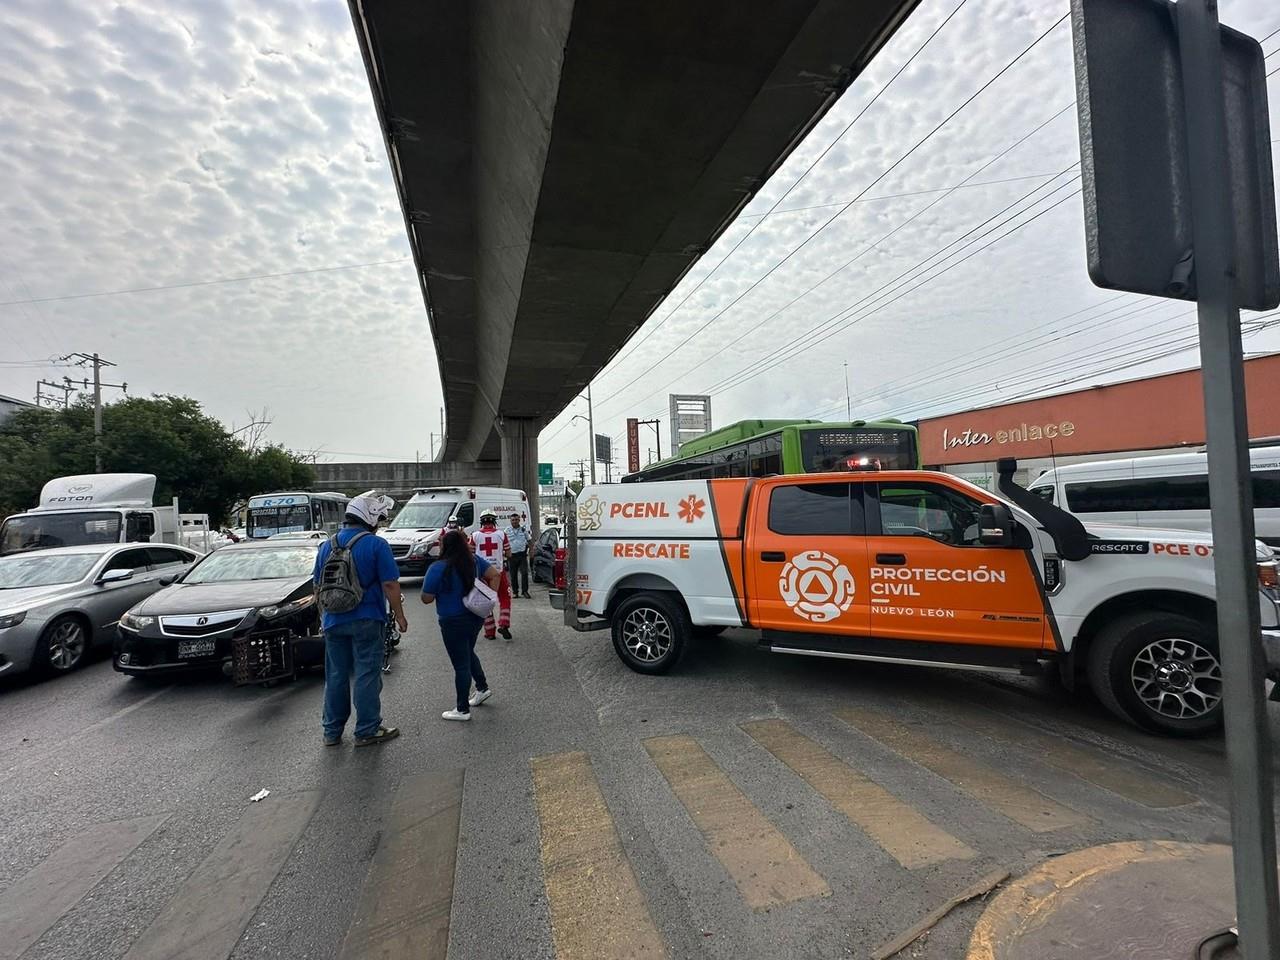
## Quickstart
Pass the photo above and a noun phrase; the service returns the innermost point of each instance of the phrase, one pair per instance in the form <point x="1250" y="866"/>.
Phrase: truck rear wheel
<point x="650" y="632"/>
<point x="1159" y="671"/>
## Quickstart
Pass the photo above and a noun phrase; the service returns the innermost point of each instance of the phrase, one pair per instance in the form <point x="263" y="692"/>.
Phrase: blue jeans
<point x="460" y="641"/>
<point x="353" y="647"/>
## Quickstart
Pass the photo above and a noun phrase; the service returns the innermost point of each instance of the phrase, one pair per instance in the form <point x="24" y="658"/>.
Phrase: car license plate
<point x="196" y="648"/>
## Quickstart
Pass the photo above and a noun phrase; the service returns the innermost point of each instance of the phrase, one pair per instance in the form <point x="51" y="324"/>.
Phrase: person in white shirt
<point x="491" y="543"/>
<point x="518" y="539"/>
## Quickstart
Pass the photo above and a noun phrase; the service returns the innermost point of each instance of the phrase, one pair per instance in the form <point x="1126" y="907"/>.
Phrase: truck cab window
<point x="139" y="528"/>
<point x="928" y="509"/>
<point x="816" y="509"/>
<point x="466" y="515"/>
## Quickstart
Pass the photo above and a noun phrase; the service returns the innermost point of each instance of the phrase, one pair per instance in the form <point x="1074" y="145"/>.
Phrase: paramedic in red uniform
<point x="492" y="544"/>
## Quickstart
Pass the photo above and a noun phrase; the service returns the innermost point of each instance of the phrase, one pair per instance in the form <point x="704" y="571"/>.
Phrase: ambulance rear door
<point x="807" y="559"/>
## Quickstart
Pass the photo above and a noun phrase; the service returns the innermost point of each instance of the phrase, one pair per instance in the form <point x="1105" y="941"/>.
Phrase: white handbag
<point x="481" y="600"/>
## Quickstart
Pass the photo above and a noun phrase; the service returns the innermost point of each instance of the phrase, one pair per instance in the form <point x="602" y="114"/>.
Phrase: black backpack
<point x="340" y="589"/>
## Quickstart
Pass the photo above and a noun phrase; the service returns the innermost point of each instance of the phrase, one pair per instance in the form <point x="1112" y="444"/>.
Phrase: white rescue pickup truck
<point x="912" y="567"/>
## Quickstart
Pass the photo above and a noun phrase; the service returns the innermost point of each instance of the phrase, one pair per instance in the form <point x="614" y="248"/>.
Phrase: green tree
<point x="191" y="453"/>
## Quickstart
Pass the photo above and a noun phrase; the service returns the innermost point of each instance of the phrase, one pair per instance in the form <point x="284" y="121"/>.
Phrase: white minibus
<point x="1167" y="491"/>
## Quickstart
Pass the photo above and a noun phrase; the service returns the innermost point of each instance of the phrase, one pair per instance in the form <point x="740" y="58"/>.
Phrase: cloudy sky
<point x="183" y="143"/>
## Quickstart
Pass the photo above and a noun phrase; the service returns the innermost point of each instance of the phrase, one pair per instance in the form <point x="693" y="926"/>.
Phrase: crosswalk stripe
<point x="1114" y="773"/>
<point x="1003" y="794"/>
<point x="761" y="861"/>
<point x="407" y="899"/>
<point x="597" y="909"/>
<point x="905" y="834"/>
<point x="37" y="900"/>
<point x="209" y="912"/>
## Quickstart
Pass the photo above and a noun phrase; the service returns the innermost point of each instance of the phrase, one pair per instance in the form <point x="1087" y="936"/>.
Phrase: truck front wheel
<point x="1159" y="671"/>
<point x="650" y="632"/>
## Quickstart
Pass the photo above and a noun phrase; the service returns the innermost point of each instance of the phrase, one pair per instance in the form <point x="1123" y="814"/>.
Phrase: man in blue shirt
<point x="354" y="640"/>
<point x="518" y="538"/>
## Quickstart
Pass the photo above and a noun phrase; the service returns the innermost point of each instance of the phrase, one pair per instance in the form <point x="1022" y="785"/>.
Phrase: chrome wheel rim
<point x="66" y="645"/>
<point x="646" y="634"/>
<point x="1179" y="679"/>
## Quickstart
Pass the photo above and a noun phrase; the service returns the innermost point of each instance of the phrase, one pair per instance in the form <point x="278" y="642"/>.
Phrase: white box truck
<point x="92" y="508"/>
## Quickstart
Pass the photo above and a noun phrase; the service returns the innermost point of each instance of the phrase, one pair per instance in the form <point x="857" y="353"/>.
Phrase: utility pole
<point x="848" y="404"/>
<point x="591" y="429"/>
<point x="85" y="359"/>
<point x="657" y="435"/>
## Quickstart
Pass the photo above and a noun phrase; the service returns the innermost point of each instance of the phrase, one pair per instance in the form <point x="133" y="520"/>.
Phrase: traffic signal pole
<point x="1230" y="485"/>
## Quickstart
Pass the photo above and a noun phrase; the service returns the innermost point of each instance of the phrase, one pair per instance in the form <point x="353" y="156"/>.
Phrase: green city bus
<point x="759" y="448"/>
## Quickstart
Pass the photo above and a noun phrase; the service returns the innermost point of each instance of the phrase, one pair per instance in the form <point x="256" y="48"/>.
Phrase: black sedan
<point x="548" y="558"/>
<point x="249" y="605"/>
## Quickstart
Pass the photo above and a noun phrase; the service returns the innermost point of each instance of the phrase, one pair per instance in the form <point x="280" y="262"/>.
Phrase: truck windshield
<point x="268" y="521"/>
<point x="423" y="516"/>
<point x="827" y="451"/>
<point x="37" y="531"/>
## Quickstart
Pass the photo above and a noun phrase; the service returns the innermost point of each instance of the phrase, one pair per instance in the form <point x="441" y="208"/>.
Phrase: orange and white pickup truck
<point x="914" y="567"/>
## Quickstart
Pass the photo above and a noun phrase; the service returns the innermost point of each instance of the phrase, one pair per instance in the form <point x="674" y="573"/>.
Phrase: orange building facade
<point x="1153" y="414"/>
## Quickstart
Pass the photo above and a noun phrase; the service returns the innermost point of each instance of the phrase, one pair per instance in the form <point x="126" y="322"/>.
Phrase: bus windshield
<point x="423" y="516"/>
<point x="36" y="531"/>
<point x="825" y="451"/>
<point x="286" y="518"/>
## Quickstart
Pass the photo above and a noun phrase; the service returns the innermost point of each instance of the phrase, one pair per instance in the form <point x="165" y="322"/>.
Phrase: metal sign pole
<point x="1230" y="488"/>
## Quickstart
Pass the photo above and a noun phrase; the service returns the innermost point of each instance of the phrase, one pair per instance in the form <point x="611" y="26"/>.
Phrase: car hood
<point x="1116" y="531"/>
<point x="212" y="597"/>
<point x="23" y="598"/>
<point x="408" y="534"/>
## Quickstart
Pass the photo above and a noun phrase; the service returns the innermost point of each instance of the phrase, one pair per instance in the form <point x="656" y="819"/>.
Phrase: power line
<point x="201" y="283"/>
<point x="842" y="319"/>
<point x="918" y="269"/>
<point x="846" y="206"/>
<point x="895" y="164"/>
<point x="807" y="170"/>
<point x="747" y="332"/>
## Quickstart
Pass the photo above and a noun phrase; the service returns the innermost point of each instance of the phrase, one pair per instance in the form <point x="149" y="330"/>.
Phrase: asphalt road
<point x="750" y="805"/>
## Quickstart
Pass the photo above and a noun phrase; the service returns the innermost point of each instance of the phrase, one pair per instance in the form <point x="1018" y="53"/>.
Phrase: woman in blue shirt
<point x="448" y="580"/>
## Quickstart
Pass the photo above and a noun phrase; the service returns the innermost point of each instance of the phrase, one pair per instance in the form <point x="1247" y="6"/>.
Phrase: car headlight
<point x="284" y="609"/>
<point x="12" y="619"/>
<point x="424" y="548"/>
<point x="131" y="621"/>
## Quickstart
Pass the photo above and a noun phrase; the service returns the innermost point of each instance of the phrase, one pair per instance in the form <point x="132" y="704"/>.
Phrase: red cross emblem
<point x="489" y="547"/>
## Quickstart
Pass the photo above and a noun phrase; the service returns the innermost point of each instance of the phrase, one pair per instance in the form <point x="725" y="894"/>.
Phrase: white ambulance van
<point x="92" y="508"/>
<point x="912" y="567"/>
<point x="414" y="532"/>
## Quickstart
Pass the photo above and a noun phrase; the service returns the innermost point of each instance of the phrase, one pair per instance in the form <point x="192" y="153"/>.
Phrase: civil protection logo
<point x="817" y="586"/>
<point x="591" y="513"/>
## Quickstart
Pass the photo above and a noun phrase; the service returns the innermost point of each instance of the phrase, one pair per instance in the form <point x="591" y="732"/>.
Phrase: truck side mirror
<point x="995" y="525"/>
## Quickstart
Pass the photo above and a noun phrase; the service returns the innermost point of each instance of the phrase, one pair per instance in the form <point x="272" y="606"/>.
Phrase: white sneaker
<point x="455" y="715"/>
<point x="479" y="697"/>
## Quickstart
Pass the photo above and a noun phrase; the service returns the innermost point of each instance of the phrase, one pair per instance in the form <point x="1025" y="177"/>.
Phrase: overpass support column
<point x="520" y="461"/>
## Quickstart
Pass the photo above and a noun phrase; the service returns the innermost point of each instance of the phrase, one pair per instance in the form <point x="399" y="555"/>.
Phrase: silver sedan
<point x="56" y="604"/>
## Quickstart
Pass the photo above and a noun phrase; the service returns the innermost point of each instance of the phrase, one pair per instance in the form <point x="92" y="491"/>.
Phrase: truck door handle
<point x="773" y="556"/>
<point x="895" y="559"/>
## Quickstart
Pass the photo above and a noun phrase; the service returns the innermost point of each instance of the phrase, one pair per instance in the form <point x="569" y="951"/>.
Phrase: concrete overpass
<point x="562" y="163"/>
